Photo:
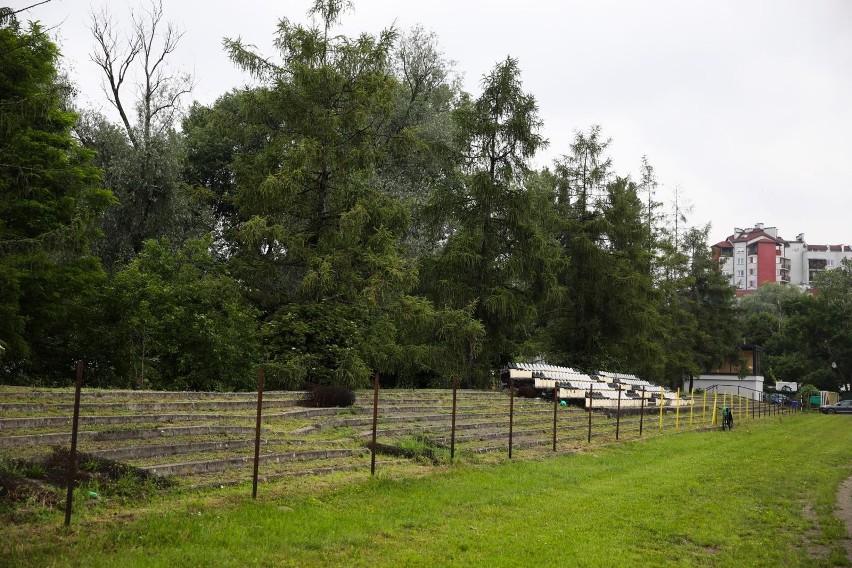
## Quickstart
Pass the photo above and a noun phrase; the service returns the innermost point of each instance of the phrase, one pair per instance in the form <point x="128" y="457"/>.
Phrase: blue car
<point x="842" y="407"/>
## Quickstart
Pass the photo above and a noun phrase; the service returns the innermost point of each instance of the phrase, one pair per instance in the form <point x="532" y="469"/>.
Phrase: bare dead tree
<point x="146" y="90"/>
<point x="115" y="60"/>
<point x="142" y="55"/>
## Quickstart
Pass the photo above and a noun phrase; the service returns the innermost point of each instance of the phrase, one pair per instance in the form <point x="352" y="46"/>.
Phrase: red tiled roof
<point x="753" y="234"/>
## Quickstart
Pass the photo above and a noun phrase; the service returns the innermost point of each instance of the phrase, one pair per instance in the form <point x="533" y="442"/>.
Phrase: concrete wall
<point x="750" y="386"/>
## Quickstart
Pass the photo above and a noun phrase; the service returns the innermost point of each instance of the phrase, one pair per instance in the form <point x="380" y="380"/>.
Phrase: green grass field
<point x="762" y="495"/>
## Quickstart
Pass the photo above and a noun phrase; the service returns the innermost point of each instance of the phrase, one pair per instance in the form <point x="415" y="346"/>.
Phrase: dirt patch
<point x="815" y="550"/>
<point x="40" y="481"/>
<point x="844" y="512"/>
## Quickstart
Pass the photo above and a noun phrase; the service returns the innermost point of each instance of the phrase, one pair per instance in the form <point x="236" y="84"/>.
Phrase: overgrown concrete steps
<point x="30" y="423"/>
<point x="221" y="464"/>
<point x="125" y="437"/>
<point x="208" y="438"/>
<point x="8" y="409"/>
<point x="17" y="395"/>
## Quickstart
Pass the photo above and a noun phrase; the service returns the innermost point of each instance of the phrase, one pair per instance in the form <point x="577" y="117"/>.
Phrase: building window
<point x="752" y="259"/>
<point x="831" y="262"/>
<point x="740" y="272"/>
<point x="751" y="271"/>
<point x="751" y="284"/>
<point x="740" y="261"/>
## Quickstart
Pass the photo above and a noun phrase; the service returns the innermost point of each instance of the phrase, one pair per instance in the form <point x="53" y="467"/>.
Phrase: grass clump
<point x="420" y="448"/>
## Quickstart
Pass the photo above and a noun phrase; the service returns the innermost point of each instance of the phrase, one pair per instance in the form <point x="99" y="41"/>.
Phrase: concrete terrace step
<point x="19" y="396"/>
<point x="446" y="426"/>
<point x="65" y="421"/>
<point x="101" y="407"/>
<point x="273" y="472"/>
<point x="119" y="435"/>
<point x="189" y="468"/>
<point x="419" y="418"/>
<point x="142" y="452"/>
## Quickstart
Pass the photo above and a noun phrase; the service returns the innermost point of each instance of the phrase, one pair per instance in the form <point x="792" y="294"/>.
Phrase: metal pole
<point x="677" y="410"/>
<point x="555" y="404"/>
<point x="739" y="401"/>
<point x="715" y="404"/>
<point x="641" y="412"/>
<point x="662" y="400"/>
<point x="511" y="411"/>
<point x="453" y="429"/>
<point x="691" y="406"/>
<point x="704" y="408"/>
<point x="257" y="432"/>
<point x="589" y="439"/>
<point x="375" y="421"/>
<point x="72" y="459"/>
<point x="618" y="415"/>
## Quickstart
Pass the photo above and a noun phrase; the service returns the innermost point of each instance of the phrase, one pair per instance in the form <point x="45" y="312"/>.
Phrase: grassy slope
<point x="696" y="499"/>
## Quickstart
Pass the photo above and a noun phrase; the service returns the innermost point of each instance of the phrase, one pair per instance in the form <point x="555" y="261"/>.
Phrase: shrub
<point x="323" y="396"/>
<point x="528" y="391"/>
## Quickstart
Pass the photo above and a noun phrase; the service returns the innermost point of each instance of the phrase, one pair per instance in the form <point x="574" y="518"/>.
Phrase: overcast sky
<point x="745" y="105"/>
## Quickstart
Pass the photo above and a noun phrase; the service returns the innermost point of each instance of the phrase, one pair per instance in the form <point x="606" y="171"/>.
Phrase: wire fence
<point x="493" y="422"/>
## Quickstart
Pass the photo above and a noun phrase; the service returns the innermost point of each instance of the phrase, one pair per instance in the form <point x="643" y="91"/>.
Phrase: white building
<point x="727" y="380"/>
<point x="751" y="257"/>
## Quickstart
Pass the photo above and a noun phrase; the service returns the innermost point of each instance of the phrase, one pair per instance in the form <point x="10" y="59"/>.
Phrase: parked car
<point x="844" y="406"/>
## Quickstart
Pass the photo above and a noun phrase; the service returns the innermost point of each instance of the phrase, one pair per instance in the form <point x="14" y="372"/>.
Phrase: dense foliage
<point x="354" y="212"/>
<point x="807" y="338"/>
<point x="49" y="200"/>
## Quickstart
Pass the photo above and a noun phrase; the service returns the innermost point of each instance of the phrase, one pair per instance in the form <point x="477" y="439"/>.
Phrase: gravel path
<point x="844" y="512"/>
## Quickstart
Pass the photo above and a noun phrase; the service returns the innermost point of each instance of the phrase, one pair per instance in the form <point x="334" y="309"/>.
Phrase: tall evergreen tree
<point x="49" y="200"/>
<point x="711" y="300"/>
<point x="579" y="196"/>
<point x="316" y="241"/>
<point x="497" y="258"/>
<point x="632" y="301"/>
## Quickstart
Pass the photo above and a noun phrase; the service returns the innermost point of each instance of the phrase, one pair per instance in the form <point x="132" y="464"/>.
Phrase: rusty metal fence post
<point x="72" y="458"/>
<point x="589" y="409"/>
<point x="375" y="422"/>
<point x="511" y="410"/>
<point x="453" y="427"/>
<point x="618" y="415"/>
<point x="555" y="404"/>
<point x="257" y="432"/>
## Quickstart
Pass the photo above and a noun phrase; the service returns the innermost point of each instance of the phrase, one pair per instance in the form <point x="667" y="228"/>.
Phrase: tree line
<point x="806" y="338"/>
<point x="354" y="212"/>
